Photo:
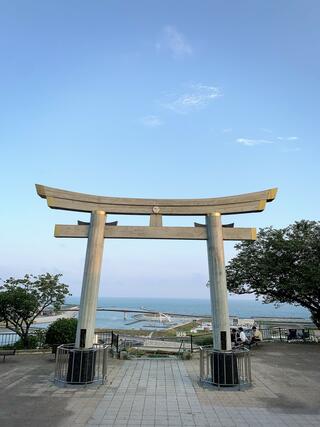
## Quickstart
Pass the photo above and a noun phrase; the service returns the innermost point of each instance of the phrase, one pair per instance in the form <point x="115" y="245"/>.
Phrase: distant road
<point x="63" y="313"/>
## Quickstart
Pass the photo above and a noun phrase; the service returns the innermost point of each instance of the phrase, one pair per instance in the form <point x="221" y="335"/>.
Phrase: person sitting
<point x="242" y="337"/>
<point x="234" y="337"/>
<point x="292" y="335"/>
<point x="256" y="336"/>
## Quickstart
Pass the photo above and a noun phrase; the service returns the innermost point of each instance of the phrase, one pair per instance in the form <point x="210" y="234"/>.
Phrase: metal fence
<point x="76" y="366"/>
<point x="107" y="338"/>
<point x="271" y="334"/>
<point x="289" y="334"/>
<point x="12" y="340"/>
<point x="225" y="368"/>
<point x="8" y="339"/>
<point x="189" y="342"/>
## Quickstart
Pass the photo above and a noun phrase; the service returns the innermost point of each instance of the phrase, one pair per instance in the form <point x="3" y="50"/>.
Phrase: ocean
<point x="238" y="306"/>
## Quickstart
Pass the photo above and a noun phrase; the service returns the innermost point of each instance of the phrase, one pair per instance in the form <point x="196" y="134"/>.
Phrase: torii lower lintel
<point x="147" y="232"/>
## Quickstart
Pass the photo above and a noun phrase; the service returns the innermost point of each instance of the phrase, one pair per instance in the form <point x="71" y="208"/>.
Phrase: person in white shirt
<point x="242" y="336"/>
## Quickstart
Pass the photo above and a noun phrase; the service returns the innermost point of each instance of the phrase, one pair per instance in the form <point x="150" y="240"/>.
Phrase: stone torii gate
<point x="213" y="232"/>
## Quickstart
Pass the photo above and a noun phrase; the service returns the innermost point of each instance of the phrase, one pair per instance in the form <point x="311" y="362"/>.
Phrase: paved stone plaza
<point x="151" y="392"/>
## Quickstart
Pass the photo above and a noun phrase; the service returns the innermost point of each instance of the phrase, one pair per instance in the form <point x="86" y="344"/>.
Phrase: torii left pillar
<point x="218" y="284"/>
<point x="91" y="281"/>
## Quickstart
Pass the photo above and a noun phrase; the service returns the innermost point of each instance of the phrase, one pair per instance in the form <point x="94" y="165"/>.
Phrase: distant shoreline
<point x="53" y="318"/>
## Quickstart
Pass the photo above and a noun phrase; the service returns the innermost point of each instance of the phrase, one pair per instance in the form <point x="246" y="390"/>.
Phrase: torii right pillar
<point x="218" y="283"/>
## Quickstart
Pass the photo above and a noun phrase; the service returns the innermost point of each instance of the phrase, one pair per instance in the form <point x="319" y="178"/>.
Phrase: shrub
<point x="203" y="340"/>
<point x="62" y="331"/>
<point x="33" y="342"/>
<point x="185" y="355"/>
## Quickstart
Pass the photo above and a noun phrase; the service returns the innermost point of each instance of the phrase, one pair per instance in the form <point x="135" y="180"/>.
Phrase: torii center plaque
<point x="212" y="231"/>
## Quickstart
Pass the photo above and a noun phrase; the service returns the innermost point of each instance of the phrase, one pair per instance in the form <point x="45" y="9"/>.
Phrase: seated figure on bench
<point x="292" y="335"/>
<point x="234" y="337"/>
<point x="256" y="336"/>
<point x="242" y="337"/>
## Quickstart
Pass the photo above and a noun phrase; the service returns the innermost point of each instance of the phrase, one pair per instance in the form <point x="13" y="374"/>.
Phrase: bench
<point x="7" y="352"/>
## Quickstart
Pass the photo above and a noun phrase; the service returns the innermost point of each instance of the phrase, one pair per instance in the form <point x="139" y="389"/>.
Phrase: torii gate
<point x="213" y="232"/>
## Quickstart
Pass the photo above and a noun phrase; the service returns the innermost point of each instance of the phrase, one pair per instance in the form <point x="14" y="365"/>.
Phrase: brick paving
<point x="165" y="392"/>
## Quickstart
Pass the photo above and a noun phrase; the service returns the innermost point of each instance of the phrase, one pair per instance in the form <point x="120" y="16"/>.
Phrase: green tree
<point x="22" y="300"/>
<point x="281" y="266"/>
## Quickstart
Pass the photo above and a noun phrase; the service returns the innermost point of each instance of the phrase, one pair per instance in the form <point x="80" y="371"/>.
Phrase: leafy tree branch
<point x="24" y="299"/>
<point x="281" y="266"/>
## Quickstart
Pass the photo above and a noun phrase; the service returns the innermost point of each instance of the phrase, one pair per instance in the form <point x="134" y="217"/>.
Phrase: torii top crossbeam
<point x="69" y="200"/>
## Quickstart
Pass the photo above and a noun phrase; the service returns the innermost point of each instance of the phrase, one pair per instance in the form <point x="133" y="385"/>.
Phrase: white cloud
<point x="199" y="96"/>
<point x="174" y="41"/>
<point x="287" y="138"/>
<point x="251" y="142"/>
<point x="279" y="140"/>
<point x="151" y="121"/>
<point x="227" y="130"/>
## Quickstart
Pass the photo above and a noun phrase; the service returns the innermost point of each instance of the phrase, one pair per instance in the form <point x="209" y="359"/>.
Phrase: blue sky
<point x="153" y="99"/>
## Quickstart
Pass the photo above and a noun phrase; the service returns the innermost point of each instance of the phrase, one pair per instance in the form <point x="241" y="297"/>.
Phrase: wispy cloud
<point x="151" y="121"/>
<point x="175" y="42"/>
<point x="197" y="97"/>
<point x="252" y="142"/>
<point x="283" y="142"/>
<point x="287" y="138"/>
<point x="227" y="130"/>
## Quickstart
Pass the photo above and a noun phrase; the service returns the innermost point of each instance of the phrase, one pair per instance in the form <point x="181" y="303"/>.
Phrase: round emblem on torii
<point x="155" y="209"/>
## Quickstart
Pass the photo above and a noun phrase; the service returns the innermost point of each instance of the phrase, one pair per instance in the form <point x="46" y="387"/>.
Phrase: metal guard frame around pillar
<point x="76" y="366"/>
<point x="230" y="369"/>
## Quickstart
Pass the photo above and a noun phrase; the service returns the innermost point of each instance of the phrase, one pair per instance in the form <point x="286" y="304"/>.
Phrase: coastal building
<point x="48" y="311"/>
<point x="233" y="322"/>
<point x="203" y="327"/>
<point x="244" y="323"/>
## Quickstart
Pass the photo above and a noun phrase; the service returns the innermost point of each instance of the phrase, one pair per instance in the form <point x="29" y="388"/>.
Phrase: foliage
<point x="33" y="342"/>
<point x="281" y="266"/>
<point x="186" y="355"/>
<point x="202" y="339"/>
<point x="62" y="331"/>
<point x="24" y="299"/>
<point x="159" y="355"/>
<point x="137" y="352"/>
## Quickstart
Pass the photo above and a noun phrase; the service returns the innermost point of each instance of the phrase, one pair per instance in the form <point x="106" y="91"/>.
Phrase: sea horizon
<point x="240" y="307"/>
